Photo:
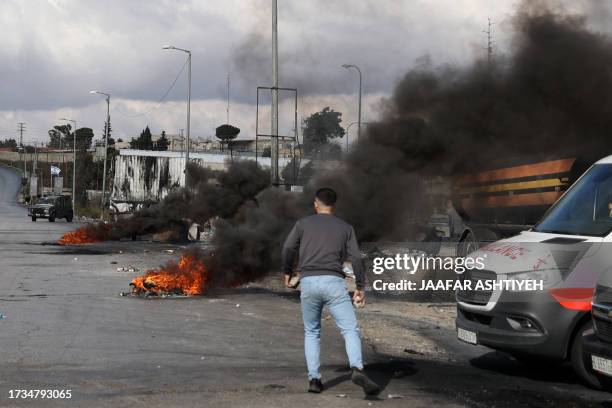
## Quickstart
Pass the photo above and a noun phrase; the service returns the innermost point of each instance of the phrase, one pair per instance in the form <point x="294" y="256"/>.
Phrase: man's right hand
<point x="292" y="282"/>
<point x="359" y="298"/>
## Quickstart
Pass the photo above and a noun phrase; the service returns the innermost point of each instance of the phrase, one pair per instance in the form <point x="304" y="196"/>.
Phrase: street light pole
<point x="73" y="161"/>
<point x="347" y="132"/>
<point x="274" y="113"/>
<point x="105" y="145"/>
<point x="349" y="66"/>
<point x="188" y="141"/>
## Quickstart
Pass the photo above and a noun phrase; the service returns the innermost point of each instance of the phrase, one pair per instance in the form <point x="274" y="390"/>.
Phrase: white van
<point x="565" y="251"/>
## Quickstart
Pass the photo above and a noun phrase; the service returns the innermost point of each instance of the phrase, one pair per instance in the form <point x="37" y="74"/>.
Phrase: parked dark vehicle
<point x="52" y="208"/>
<point x="597" y="344"/>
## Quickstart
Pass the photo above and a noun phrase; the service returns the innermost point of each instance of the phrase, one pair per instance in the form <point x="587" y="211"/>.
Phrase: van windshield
<point x="586" y="208"/>
<point x="46" y="200"/>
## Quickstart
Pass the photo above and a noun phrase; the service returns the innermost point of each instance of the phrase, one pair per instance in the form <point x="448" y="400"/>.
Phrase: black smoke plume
<point x="549" y="98"/>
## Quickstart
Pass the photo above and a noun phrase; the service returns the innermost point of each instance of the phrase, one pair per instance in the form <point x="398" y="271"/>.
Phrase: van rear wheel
<point x="578" y="359"/>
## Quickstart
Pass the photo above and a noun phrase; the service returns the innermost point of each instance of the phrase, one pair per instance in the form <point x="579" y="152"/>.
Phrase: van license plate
<point x="603" y="365"/>
<point x="467" y="336"/>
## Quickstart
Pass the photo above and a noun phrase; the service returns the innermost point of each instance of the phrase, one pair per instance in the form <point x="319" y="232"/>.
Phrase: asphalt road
<point x="67" y="328"/>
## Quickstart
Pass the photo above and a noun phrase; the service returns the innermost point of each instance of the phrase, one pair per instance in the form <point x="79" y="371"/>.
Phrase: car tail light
<point x="574" y="298"/>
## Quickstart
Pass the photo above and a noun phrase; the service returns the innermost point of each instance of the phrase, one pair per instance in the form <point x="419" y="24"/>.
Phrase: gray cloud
<point x="55" y="51"/>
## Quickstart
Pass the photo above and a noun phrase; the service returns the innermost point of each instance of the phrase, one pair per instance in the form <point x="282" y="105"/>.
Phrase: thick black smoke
<point x="549" y="98"/>
<point x="209" y="194"/>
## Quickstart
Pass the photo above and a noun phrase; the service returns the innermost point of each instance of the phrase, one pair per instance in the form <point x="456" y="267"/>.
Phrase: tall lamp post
<point x="274" y="112"/>
<point x="73" y="161"/>
<point x="347" y="132"/>
<point x="105" y="144"/>
<point x="172" y="47"/>
<point x="349" y="66"/>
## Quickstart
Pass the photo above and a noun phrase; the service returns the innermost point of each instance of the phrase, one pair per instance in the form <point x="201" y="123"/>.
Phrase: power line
<point x="228" y="91"/>
<point x="159" y="102"/>
<point x="490" y="43"/>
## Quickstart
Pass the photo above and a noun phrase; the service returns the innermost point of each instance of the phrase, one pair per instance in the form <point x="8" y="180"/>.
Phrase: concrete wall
<point x="146" y="175"/>
<point x="47" y="157"/>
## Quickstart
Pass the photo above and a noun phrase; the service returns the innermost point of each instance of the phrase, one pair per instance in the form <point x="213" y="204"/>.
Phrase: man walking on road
<point x="322" y="242"/>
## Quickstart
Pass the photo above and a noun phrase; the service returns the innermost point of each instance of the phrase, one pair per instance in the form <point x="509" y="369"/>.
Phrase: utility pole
<point x="73" y="160"/>
<point x="21" y="129"/>
<point x="274" y="115"/>
<point x="35" y="165"/>
<point x="228" y="93"/>
<point x="105" y="154"/>
<point x="188" y="52"/>
<point x="490" y="42"/>
<point x="106" y="134"/>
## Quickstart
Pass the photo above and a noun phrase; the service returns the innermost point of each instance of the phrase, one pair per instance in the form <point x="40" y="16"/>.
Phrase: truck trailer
<point x="507" y="199"/>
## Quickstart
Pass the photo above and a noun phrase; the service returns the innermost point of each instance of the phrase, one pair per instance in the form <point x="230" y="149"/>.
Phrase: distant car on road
<point x="52" y="207"/>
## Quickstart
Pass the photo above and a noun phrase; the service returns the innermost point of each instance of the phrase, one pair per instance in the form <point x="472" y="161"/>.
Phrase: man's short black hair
<point x="327" y="196"/>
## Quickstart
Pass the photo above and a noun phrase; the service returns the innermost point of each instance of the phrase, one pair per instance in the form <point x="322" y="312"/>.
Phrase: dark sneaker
<point x="315" y="386"/>
<point x="361" y="379"/>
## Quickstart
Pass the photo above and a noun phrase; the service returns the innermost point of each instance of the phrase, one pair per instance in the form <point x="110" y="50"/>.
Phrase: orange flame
<point x="189" y="276"/>
<point x="85" y="235"/>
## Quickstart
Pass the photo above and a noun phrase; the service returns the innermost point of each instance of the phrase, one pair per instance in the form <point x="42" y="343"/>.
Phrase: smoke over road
<point x="549" y="97"/>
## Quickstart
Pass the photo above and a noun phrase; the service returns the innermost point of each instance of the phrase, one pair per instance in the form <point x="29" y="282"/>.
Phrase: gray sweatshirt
<point x="323" y="243"/>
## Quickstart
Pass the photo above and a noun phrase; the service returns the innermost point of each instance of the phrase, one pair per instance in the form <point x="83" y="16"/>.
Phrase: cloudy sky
<point x="55" y="51"/>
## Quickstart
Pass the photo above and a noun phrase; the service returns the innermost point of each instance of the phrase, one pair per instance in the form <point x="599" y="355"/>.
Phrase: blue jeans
<point x="330" y="291"/>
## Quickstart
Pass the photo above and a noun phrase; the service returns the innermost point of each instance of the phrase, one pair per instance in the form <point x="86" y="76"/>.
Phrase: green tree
<point x="10" y="143"/>
<point x="59" y="135"/>
<point x="144" y="141"/>
<point x="319" y="128"/>
<point x="84" y="137"/>
<point x="89" y="176"/>
<point x="162" y="142"/>
<point x="110" y="131"/>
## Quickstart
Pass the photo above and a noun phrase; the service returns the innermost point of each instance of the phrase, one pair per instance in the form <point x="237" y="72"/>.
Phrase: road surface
<point x="67" y="328"/>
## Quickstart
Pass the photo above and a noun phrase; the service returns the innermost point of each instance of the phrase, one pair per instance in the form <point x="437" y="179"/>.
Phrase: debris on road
<point x="129" y="268"/>
<point x="275" y="387"/>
